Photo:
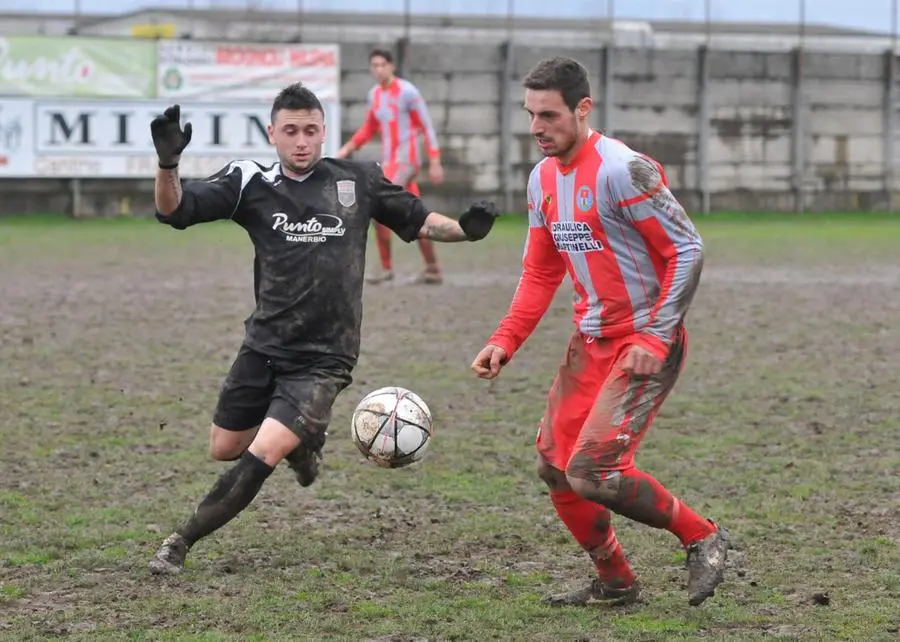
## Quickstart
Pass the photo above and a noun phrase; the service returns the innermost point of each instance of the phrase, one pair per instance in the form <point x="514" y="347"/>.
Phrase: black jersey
<point x="310" y="236"/>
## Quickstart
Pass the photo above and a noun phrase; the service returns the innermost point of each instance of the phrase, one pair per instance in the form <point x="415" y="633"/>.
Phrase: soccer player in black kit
<point x="308" y="218"/>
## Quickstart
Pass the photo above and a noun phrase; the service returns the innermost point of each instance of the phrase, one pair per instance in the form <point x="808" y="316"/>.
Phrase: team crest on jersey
<point x="346" y="193"/>
<point x="585" y="198"/>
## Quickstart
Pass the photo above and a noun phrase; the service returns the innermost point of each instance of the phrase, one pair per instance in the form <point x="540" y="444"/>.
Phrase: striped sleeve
<point x="418" y="113"/>
<point x="543" y="269"/>
<point x="642" y="194"/>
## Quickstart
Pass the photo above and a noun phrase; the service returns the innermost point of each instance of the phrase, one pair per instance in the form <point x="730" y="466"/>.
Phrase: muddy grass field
<point x="115" y="336"/>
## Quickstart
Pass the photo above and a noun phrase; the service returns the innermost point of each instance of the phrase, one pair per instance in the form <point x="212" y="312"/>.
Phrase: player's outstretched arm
<point x="408" y="217"/>
<point x="182" y="205"/>
<point x="473" y="225"/>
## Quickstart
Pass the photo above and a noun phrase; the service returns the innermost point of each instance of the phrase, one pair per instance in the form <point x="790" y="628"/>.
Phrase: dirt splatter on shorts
<point x="596" y="414"/>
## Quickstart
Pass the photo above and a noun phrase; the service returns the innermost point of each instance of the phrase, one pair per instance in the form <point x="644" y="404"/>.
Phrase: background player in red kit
<point x="604" y="213"/>
<point x="398" y="112"/>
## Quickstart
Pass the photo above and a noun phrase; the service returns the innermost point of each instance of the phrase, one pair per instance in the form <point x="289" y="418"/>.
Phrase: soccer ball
<point x="392" y="427"/>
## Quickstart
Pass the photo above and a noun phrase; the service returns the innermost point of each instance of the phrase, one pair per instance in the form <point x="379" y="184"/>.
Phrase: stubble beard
<point x="292" y="167"/>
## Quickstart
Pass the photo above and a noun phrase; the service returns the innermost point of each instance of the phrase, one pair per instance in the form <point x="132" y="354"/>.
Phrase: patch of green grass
<point x="11" y="592"/>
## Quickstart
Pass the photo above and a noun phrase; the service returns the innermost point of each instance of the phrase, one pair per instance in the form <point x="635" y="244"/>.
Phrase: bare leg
<point x="228" y="445"/>
<point x="231" y="494"/>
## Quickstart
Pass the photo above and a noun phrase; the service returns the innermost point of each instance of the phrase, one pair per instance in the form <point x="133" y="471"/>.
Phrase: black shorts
<point x="258" y="386"/>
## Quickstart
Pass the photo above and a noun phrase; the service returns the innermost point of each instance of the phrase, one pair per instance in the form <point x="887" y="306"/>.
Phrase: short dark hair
<point x="296" y="96"/>
<point x="565" y="75"/>
<point x="383" y="53"/>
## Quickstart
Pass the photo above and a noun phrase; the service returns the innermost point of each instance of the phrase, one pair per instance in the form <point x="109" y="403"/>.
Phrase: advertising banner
<point x="36" y="66"/>
<point x="234" y="71"/>
<point x="58" y="138"/>
<point x="81" y="107"/>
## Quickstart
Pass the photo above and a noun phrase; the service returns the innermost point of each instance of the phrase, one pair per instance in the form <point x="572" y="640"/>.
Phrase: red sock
<point x="383" y="237"/>
<point x="589" y="524"/>
<point x="649" y="502"/>
<point x="427" y="248"/>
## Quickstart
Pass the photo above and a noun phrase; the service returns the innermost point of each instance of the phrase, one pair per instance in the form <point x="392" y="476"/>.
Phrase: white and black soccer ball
<point x="392" y="427"/>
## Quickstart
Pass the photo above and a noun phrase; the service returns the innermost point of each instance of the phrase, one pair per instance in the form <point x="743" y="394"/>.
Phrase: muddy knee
<point x="227" y="445"/>
<point x="553" y="477"/>
<point x="597" y="488"/>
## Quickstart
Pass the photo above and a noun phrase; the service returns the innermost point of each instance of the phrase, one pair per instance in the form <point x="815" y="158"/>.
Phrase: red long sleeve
<point x="543" y="270"/>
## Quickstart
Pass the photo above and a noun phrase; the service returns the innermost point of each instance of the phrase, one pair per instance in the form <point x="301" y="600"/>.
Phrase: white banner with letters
<point x="245" y="71"/>
<point x="100" y="138"/>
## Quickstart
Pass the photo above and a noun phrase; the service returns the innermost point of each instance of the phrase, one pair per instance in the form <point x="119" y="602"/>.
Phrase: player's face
<point x="382" y="71"/>
<point x="298" y="135"/>
<point x="555" y="127"/>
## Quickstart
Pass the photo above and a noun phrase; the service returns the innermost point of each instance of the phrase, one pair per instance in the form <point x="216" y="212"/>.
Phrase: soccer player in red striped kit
<point x="603" y="213"/>
<point x="398" y="112"/>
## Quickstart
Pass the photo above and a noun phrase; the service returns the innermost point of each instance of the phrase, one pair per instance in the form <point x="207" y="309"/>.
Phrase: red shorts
<point x="404" y="175"/>
<point x="596" y="414"/>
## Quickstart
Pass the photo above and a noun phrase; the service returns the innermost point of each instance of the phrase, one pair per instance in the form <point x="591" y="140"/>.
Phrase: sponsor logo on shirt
<point x="574" y="237"/>
<point x="315" y="229"/>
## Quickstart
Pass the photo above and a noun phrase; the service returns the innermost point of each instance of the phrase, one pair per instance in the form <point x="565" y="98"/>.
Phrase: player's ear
<point x="271" y="131"/>
<point x="584" y="107"/>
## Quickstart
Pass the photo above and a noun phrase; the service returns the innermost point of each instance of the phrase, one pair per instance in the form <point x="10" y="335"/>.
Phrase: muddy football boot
<point x="380" y="277"/>
<point x="169" y="558"/>
<point x="706" y="565"/>
<point x="304" y="464"/>
<point x="596" y="593"/>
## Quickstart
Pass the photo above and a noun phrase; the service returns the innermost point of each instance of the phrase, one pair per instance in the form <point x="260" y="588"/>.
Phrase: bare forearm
<point x="443" y="229"/>
<point x="168" y="191"/>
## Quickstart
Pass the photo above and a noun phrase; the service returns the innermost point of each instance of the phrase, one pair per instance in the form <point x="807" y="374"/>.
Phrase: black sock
<point x="232" y="493"/>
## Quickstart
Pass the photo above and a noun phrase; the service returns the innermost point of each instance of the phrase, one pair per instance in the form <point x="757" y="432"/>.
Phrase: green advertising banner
<point x="77" y="66"/>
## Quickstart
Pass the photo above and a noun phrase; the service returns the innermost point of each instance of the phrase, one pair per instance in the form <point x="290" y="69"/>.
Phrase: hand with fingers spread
<point x="489" y="361"/>
<point x="169" y="138"/>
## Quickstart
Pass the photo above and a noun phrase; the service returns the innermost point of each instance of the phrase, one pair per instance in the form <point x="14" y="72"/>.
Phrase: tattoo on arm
<point x="175" y="184"/>
<point x="168" y="190"/>
<point x="442" y="228"/>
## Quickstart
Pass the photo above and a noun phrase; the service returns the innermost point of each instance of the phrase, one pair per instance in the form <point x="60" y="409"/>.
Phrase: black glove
<point x="168" y="137"/>
<point x="477" y="221"/>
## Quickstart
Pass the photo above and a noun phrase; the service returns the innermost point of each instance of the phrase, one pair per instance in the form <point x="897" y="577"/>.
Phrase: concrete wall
<point x="763" y="151"/>
<point x="768" y="145"/>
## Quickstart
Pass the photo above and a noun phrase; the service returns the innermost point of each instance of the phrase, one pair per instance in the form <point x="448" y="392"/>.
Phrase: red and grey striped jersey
<point x="608" y="219"/>
<point x="398" y="112"/>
